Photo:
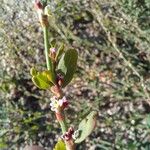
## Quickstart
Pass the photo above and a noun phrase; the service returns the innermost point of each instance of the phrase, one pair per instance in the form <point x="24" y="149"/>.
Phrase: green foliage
<point x="60" y="145"/>
<point x="3" y="145"/>
<point x="67" y="65"/>
<point x="42" y="80"/>
<point x="59" y="52"/>
<point x="50" y="76"/>
<point x="86" y="127"/>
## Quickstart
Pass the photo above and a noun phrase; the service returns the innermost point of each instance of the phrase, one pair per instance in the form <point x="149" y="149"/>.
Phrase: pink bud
<point x="60" y="79"/>
<point x="53" y="50"/>
<point x="71" y="130"/>
<point x="60" y="76"/>
<point x="38" y="5"/>
<point x="63" y="103"/>
<point x="68" y="135"/>
<point x="52" y="53"/>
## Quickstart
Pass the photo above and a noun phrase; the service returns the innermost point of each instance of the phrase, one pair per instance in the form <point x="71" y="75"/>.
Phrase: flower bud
<point x="68" y="135"/>
<point x="71" y="130"/>
<point x="48" y="10"/>
<point x="60" y="79"/>
<point x="38" y="6"/>
<point x="40" y="10"/>
<point x="52" y="54"/>
<point x="63" y="103"/>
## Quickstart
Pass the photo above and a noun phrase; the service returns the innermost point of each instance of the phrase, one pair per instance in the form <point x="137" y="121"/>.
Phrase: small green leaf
<point x="86" y="127"/>
<point x="41" y="81"/>
<point x="60" y="145"/>
<point x="33" y="71"/>
<point x="49" y="76"/>
<point x="67" y="65"/>
<point x="60" y="51"/>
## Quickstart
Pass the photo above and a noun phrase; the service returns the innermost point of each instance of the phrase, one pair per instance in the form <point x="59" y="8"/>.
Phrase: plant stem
<point x="63" y="126"/>
<point x="46" y="44"/>
<point x="62" y="121"/>
<point x="50" y="66"/>
<point x="70" y="145"/>
<point x="60" y="116"/>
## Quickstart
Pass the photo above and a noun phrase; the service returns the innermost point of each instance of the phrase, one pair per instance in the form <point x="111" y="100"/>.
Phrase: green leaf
<point x="33" y="71"/>
<point x="86" y="127"/>
<point x="60" y="145"/>
<point x="60" y="51"/>
<point x="67" y="65"/>
<point x="41" y="81"/>
<point x="50" y="76"/>
<point x="3" y="145"/>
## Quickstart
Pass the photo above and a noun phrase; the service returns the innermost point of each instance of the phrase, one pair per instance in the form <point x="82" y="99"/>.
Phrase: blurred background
<point x="113" y="74"/>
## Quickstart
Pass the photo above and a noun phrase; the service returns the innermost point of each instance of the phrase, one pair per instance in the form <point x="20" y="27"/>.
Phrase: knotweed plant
<point x="61" y="65"/>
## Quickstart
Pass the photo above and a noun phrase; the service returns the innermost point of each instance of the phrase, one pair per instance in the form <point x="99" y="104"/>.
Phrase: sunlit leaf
<point x="86" y="127"/>
<point x="60" y="145"/>
<point x="41" y="81"/>
<point x="50" y="76"/>
<point x="67" y="65"/>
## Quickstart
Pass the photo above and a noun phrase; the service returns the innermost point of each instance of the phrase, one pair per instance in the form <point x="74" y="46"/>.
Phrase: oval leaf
<point x="86" y="127"/>
<point x="49" y="76"/>
<point x="60" y="145"/>
<point x="41" y="81"/>
<point x="67" y="65"/>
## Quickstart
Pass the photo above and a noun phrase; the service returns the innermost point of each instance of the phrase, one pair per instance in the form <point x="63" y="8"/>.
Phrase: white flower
<point x="56" y="104"/>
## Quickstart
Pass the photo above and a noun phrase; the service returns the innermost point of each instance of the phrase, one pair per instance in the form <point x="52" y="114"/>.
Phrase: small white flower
<point x="54" y="104"/>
